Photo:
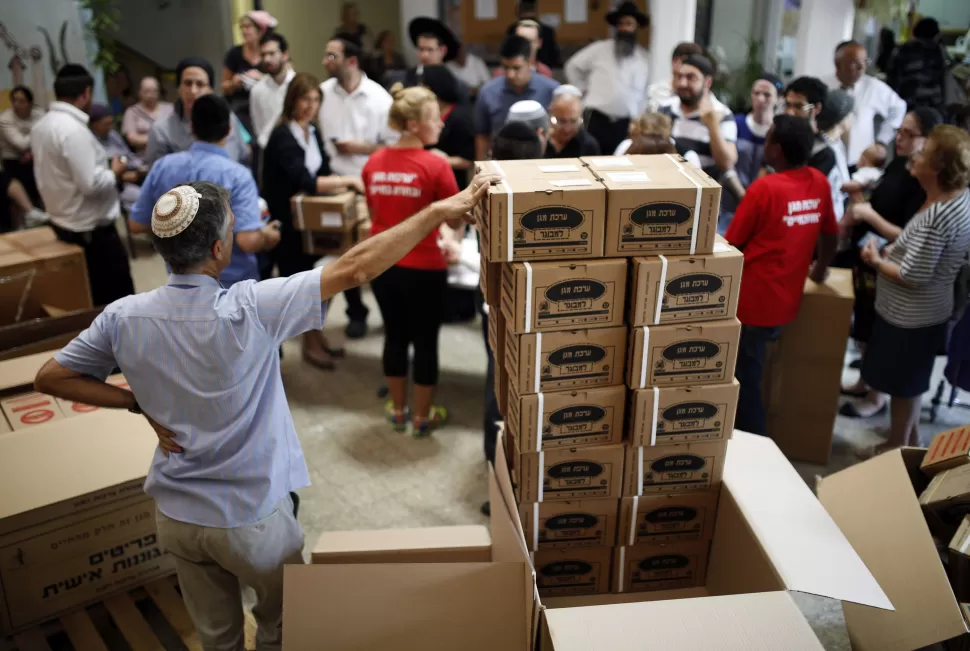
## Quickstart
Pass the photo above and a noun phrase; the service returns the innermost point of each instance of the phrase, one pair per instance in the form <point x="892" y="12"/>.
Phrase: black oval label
<point x="572" y="521"/>
<point x="690" y="411"/>
<point x="552" y="217"/>
<point x="566" y="568"/>
<point x="695" y="284"/>
<point x="576" y="290"/>
<point x="660" y="213"/>
<point x="678" y="462"/>
<point x="692" y="350"/>
<point x="570" y="469"/>
<point x="577" y="414"/>
<point x="671" y="514"/>
<point x="578" y="354"/>
<point x="664" y="562"/>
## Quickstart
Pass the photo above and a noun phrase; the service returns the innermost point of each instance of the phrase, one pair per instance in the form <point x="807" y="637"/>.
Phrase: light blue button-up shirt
<point x="207" y="162"/>
<point x="203" y="361"/>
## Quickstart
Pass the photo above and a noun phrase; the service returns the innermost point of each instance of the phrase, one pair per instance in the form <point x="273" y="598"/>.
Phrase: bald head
<point x="148" y="91"/>
<point x="851" y="61"/>
<point x="566" y="116"/>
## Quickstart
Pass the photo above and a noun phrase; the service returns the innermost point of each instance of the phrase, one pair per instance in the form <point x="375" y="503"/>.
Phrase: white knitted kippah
<point x="174" y="211"/>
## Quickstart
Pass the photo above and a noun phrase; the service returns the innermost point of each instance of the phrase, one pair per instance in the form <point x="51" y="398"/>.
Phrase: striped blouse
<point x="929" y="252"/>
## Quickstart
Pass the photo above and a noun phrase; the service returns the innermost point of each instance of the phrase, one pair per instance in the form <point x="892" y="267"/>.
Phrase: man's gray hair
<point x="192" y="248"/>
<point x="529" y="112"/>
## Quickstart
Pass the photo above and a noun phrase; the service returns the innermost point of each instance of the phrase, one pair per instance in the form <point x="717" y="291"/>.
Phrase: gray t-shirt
<point x="173" y="134"/>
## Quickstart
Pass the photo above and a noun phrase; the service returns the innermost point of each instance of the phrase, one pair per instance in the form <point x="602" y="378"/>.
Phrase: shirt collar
<point x="286" y="80"/>
<point x="193" y="280"/>
<point x="71" y="110"/>
<point x="209" y="148"/>
<point x="360" y="90"/>
<point x="302" y="139"/>
<point x="529" y="87"/>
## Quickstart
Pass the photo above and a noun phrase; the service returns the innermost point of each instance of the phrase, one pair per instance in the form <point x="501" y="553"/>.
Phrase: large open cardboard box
<point x="771" y="536"/>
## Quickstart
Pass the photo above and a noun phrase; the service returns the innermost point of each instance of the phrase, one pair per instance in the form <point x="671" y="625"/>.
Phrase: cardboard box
<point x="46" y="333"/>
<point x="577" y="523"/>
<point x="680" y="355"/>
<point x="958" y="562"/>
<point x="555" y="361"/>
<point x="458" y="544"/>
<point x="647" y="568"/>
<point x="327" y="213"/>
<point x="40" y="275"/>
<point x="548" y="296"/>
<point x="29" y="410"/>
<point x="490" y="282"/>
<point x="69" y="408"/>
<point x="680" y="289"/>
<point x="946" y="500"/>
<point x="578" y="418"/>
<point x="682" y="414"/>
<point x="674" y="468"/>
<point x="570" y="474"/>
<point x="669" y="518"/>
<point x="541" y="210"/>
<point x="660" y="205"/>
<point x="948" y="450"/>
<point x="496" y="342"/>
<point x="570" y="572"/>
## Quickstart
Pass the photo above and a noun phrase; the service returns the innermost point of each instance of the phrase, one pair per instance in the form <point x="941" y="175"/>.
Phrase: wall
<point x="822" y="25"/>
<point x="671" y="22"/>
<point x="953" y="14"/>
<point x="167" y="31"/>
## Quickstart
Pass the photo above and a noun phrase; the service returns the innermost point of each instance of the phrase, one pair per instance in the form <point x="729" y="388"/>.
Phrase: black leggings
<point x="412" y="303"/>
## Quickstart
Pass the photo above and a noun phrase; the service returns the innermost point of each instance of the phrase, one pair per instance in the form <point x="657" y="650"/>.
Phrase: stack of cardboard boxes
<point x="330" y="224"/>
<point x="612" y="321"/>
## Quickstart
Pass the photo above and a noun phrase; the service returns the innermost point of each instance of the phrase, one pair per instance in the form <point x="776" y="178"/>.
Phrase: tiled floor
<point x="366" y="476"/>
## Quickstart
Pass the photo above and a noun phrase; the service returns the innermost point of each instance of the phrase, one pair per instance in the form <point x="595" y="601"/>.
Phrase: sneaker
<point x="397" y="419"/>
<point x="422" y="427"/>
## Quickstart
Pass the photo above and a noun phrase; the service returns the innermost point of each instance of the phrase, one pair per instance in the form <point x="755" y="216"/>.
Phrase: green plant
<point x="102" y="27"/>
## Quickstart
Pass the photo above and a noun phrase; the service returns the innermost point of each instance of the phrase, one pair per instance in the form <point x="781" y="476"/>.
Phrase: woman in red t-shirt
<point x="400" y="181"/>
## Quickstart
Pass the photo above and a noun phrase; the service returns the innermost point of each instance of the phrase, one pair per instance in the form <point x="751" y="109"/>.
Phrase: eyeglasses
<point x="797" y="108"/>
<point x="556" y="122"/>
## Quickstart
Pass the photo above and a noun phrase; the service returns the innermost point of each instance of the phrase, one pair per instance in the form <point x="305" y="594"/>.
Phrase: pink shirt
<point x="138" y="120"/>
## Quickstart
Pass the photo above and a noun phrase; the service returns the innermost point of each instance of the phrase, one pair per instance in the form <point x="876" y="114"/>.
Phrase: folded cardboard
<point x="684" y="354"/>
<point x="39" y="272"/>
<point x="679" y="289"/>
<point x="948" y="450"/>
<point x="648" y="568"/>
<point x="946" y="500"/>
<point x="541" y="210"/>
<point x="576" y="523"/>
<point x="570" y="474"/>
<point x="958" y="562"/>
<point x="326" y="213"/>
<point x="496" y="342"/>
<point x="555" y="361"/>
<point x="458" y="544"/>
<point x="574" y="571"/>
<point x="577" y="418"/>
<point x="548" y="296"/>
<point x="674" y="468"/>
<point x="682" y="414"/>
<point x="668" y="518"/>
<point x="42" y="334"/>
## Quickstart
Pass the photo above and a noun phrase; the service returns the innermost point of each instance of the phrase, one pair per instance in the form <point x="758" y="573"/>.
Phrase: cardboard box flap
<point x="20" y="372"/>
<point x="337" y="543"/>
<point x="767" y="621"/>
<point x="805" y="546"/>
<point x="876" y="506"/>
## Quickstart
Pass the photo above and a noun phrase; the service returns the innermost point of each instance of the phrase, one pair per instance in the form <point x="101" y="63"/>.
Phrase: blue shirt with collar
<point x="207" y="162"/>
<point x="496" y="98"/>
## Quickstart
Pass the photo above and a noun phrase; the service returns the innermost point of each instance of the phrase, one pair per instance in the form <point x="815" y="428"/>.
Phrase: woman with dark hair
<point x="385" y="58"/>
<point x="887" y="47"/>
<point x="295" y="162"/>
<point x="456" y="143"/>
<point x="15" y="125"/>
<point x="240" y="68"/>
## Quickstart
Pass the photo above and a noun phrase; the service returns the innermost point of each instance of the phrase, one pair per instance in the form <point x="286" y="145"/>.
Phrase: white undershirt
<point x="312" y="158"/>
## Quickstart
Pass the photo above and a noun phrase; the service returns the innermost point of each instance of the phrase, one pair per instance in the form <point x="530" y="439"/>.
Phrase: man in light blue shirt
<point x="203" y="368"/>
<point x="207" y="160"/>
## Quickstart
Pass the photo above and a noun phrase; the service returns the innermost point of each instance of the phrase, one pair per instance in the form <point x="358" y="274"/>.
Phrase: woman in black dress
<point x="295" y="161"/>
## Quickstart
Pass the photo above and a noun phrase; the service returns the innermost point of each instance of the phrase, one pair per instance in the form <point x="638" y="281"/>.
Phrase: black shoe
<point x="486" y="509"/>
<point x="382" y="392"/>
<point x="356" y="329"/>
<point x="856" y="363"/>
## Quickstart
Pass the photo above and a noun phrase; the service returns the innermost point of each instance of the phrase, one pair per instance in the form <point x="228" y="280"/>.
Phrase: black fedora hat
<point x="628" y="9"/>
<point x="426" y="25"/>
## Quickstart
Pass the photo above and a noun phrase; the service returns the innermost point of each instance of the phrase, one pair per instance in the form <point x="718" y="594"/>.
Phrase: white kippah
<point x="526" y="110"/>
<point x="174" y="211"/>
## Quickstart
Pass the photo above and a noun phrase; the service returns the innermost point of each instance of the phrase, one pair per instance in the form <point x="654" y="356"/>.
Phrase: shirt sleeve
<point x="11" y="134"/>
<point x="141" y="212"/>
<point x="924" y="247"/>
<point x="747" y="216"/>
<point x="729" y="128"/>
<point x="89" y="177"/>
<point x="157" y="145"/>
<point x="286" y="307"/>
<point x="895" y="108"/>
<point x="579" y="66"/>
<point x="129" y="123"/>
<point x="91" y="353"/>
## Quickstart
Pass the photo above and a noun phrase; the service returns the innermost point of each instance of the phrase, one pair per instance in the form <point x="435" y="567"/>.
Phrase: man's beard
<point x="624" y="43"/>
<point x="272" y="71"/>
<point x="689" y="99"/>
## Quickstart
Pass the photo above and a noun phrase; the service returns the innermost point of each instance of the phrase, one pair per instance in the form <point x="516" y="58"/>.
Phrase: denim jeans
<point x="749" y="372"/>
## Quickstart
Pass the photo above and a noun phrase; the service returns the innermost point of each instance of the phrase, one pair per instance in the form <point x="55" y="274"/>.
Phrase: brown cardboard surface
<point x="674" y="468"/>
<point x="576" y="418"/>
<point x="681" y="355"/>
<point x="541" y="210"/>
<point x="570" y="474"/>
<point x="548" y="296"/>
<point x="649" y="568"/>
<point x="948" y="450"/>
<point x="556" y="361"/>
<point x="47" y="333"/>
<point x="688" y="288"/>
<point x="490" y="282"/>
<point x="324" y="213"/>
<point x="575" y="571"/>
<point x="958" y="564"/>
<point x="668" y="518"/>
<point x="456" y="544"/>
<point x="823" y="319"/>
<point x="682" y="414"/>
<point x="947" y="499"/>
<point x="496" y="342"/>
<point x="578" y="523"/>
<point x="875" y="505"/>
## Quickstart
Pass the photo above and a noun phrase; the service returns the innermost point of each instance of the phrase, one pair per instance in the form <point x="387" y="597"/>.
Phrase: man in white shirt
<point x="79" y="184"/>
<point x="663" y="91"/>
<point x="875" y="101"/>
<point x="612" y="74"/>
<point x="266" y="97"/>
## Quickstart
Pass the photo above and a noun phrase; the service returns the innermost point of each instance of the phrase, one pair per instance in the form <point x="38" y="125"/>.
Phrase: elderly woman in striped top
<point x="914" y="291"/>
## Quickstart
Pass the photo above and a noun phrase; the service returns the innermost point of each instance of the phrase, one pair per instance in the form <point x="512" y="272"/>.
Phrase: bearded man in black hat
<point x="612" y="74"/>
<point x="436" y="45"/>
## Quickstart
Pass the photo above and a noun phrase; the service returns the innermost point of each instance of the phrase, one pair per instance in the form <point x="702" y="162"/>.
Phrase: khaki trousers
<point x="213" y="564"/>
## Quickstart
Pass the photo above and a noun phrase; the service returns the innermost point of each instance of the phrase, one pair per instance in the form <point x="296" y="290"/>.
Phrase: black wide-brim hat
<point x="426" y="25"/>
<point x="628" y="9"/>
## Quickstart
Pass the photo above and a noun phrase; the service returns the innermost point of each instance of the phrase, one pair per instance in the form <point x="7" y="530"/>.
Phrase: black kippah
<point x="700" y="62"/>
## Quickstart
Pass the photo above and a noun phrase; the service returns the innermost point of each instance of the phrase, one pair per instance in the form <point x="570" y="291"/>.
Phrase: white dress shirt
<point x="15" y="132"/>
<point x="873" y="98"/>
<point x="79" y="190"/>
<point x="266" y="105"/>
<point x="358" y="115"/>
<point x="618" y="89"/>
<point x="312" y="158"/>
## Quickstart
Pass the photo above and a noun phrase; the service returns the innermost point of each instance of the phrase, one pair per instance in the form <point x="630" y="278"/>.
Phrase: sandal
<point x="849" y="410"/>
<point x="422" y="427"/>
<point x="397" y="419"/>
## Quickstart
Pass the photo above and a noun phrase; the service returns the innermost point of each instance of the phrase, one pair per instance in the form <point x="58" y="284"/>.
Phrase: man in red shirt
<point x="778" y="224"/>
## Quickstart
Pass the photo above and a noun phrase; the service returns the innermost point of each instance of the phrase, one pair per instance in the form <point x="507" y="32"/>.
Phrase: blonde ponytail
<point x="408" y="104"/>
